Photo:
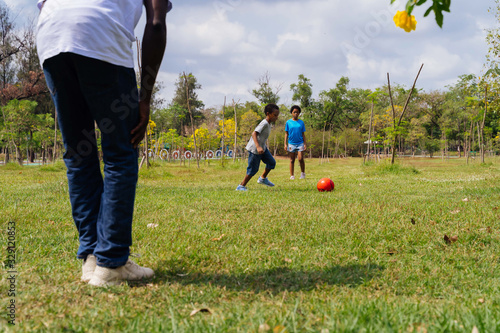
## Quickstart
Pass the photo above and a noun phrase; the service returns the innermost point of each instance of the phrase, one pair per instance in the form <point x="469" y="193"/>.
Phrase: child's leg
<point x="246" y="180"/>
<point x="253" y="167"/>
<point x="301" y="161"/>
<point x="292" y="163"/>
<point x="266" y="172"/>
<point x="270" y="162"/>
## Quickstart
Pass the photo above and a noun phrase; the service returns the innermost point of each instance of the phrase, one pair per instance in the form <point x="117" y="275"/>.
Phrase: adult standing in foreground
<point x="85" y="49"/>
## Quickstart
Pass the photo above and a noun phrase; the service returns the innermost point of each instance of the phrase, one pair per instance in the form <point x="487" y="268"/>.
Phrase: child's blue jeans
<point x="254" y="162"/>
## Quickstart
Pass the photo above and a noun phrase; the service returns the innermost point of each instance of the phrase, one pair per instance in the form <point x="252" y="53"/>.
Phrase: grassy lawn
<point x="368" y="257"/>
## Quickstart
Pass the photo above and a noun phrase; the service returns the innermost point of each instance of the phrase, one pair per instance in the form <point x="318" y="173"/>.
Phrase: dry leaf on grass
<point x="203" y="310"/>
<point x="475" y="330"/>
<point x="152" y="225"/>
<point x="412" y="221"/>
<point x="465" y="199"/>
<point x="481" y="300"/>
<point x="218" y="238"/>
<point x="455" y="211"/>
<point x="449" y="240"/>
<point x="288" y="260"/>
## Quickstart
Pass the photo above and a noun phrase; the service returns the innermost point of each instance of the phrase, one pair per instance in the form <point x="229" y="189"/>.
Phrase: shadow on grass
<point x="274" y="280"/>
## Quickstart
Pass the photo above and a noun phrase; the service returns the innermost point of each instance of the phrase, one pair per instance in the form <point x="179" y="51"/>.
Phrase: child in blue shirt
<point x="295" y="141"/>
<point x="257" y="149"/>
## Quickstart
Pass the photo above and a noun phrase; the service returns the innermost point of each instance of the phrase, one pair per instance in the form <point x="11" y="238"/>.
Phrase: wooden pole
<point x="192" y="120"/>
<point x="235" y="130"/>
<point x="223" y="112"/>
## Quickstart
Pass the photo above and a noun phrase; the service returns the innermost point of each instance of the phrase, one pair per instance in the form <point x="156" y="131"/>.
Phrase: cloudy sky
<point x="229" y="44"/>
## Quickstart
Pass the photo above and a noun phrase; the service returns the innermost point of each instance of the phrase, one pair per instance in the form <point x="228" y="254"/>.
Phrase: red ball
<point x="325" y="184"/>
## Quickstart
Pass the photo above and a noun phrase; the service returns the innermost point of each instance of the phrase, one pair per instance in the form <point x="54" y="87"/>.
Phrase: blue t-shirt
<point x="295" y="128"/>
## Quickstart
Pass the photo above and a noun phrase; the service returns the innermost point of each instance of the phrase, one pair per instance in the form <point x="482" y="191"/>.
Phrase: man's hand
<point x="260" y="150"/>
<point x="286" y="147"/>
<point x="140" y="130"/>
<point x="305" y="146"/>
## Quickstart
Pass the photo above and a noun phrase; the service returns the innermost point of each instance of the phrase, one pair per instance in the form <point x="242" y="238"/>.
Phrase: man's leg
<point x="81" y="159"/>
<point x="112" y="96"/>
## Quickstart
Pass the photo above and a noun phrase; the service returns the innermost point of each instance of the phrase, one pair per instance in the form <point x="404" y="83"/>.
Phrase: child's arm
<point x="304" y="137"/>
<point x="286" y="140"/>
<point x="259" y="148"/>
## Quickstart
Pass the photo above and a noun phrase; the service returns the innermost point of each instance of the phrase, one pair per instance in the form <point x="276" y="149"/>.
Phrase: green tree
<point x="19" y="123"/>
<point x="302" y="91"/>
<point x="180" y="101"/>
<point x="267" y="93"/>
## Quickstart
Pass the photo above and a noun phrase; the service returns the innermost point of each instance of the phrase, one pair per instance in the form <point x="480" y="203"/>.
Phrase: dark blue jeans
<point x="85" y="92"/>
<point x="254" y="162"/>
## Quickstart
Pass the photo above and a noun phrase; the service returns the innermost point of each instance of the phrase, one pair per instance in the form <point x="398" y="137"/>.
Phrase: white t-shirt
<point x="99" y="29"/>
<point x="264" y="129"/>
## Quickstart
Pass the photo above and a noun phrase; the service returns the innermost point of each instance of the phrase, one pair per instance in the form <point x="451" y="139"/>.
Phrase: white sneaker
<point x="292" y="177"/>
<point x="104" y="276"/>
<point x="88" y="267"/>
<point x="302" y="175"/>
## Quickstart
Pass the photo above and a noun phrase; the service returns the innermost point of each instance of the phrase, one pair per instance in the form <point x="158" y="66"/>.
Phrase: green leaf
<point x="439" y="15"/>
<point x="428" y="11"/>
<point x="409" y="7"/>
<point x="421" y="2"/>
<point x="495" y="71"/>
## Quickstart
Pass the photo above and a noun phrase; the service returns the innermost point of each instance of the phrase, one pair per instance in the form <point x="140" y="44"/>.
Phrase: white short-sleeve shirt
<point x="99" y="29"/>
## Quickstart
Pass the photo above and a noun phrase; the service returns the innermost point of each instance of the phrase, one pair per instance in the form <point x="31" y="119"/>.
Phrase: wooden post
<point x="192" y="120"/>
<point x="368" y="152"/>
<point x="222" y="150"/>
<point x="403" y="112"/>
<point x="235" y="130"/>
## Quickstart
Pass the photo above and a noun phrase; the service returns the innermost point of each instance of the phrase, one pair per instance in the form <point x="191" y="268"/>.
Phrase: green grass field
<point x="368" y="257"/>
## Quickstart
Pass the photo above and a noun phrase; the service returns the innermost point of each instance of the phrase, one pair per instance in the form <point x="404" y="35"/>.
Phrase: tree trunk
<point x="369" y="148"/>
<point x="55" y="138"/>
<point x="19" y="155"/>
<point x="235" y="131"/>
<point x="7" y="156"/>
<point x="323" y="145"/>
<point x="484" y="119"/>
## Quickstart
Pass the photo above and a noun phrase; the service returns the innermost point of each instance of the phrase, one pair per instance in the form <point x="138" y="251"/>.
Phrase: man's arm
<point x="153" y="47"/>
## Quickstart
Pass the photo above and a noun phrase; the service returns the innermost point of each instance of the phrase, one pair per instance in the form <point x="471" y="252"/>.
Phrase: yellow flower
<point x="402" y="20"/>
